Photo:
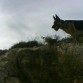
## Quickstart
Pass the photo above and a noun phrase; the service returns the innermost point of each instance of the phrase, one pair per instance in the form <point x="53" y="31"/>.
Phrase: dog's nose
<point x="52" y="26"/>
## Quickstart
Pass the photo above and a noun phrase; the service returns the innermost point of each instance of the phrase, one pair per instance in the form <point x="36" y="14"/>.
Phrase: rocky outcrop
<point x="43" y="64"/>
<point x="24" y="65"/>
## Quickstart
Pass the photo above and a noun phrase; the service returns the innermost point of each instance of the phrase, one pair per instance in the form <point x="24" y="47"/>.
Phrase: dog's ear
<point x="54" y="18"/>
<point x="57" y="18"/>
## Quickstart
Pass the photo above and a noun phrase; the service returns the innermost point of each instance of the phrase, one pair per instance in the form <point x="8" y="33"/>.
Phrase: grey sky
<point x="21" y="20"/>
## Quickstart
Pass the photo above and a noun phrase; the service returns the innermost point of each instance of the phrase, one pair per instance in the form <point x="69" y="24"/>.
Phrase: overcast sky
<point x="23" y="20"/>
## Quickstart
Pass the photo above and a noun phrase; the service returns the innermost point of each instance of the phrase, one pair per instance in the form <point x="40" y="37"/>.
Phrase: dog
<point x="72" y="27"/>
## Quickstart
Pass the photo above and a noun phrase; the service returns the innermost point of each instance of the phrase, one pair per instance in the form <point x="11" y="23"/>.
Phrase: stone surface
<point x="42" y="64"/>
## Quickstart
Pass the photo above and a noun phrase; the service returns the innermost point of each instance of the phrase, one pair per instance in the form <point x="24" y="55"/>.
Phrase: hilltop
<point x="50" y="63"/>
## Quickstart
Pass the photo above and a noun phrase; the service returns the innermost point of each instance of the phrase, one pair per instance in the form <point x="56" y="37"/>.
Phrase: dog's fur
<point x="73" y="27"/>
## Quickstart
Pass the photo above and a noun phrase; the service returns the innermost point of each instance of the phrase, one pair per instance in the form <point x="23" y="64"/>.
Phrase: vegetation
<point x="26" y="44"/>
<point x="2" y="52"/>
<point x="49" y="66"/>
<point x="46" y="64"/>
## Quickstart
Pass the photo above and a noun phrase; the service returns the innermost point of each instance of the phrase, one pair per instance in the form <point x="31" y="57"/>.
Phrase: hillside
<point x="43" y="64"/>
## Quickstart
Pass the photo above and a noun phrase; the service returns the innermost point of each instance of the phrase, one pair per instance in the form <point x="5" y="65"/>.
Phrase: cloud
<point x="21" y="20"/>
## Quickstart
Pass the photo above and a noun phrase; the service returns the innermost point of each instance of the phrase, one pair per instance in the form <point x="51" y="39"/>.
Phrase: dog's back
<point x="77" y="23"/>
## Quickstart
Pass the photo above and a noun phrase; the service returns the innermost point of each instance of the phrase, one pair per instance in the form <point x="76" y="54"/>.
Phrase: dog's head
<point x="58" y="23"/>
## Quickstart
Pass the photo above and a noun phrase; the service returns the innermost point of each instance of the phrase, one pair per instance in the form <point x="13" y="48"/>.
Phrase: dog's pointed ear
<point x="54" y="18"/>
<point x="57" y="18"/>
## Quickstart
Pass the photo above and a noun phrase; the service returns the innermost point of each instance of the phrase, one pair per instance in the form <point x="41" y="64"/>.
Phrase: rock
<point x="11" y="80"/>
<point x="42" y="64"/>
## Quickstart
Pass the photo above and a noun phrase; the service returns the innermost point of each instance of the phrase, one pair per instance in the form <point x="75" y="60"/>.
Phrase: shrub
<point x="26" y="44"/>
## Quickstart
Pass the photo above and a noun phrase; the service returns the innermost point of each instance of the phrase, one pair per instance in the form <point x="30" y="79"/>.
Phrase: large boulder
<point x="43" y="64"/>
<point x="30" y="65"/>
